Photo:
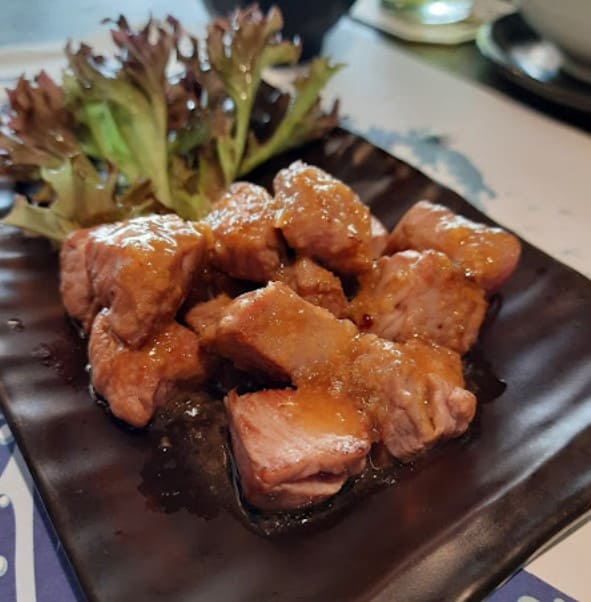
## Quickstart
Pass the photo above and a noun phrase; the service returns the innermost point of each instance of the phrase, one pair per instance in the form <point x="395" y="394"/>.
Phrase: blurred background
<point x="508" y="56"/>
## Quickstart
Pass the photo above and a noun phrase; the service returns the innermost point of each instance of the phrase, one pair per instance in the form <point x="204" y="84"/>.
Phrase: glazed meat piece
<point x="142" y="269"/>
<point x="247" y="244"/>
<point x="423" y="295"/>
<point x="137" y="381"/>
<point x="75" y="286"/>
<point x="322" y="218"/>
<point x="414" y="392"/>
<point x="487" y="255"/>
<point x="274" y="332"/>
<point x="316" y="285"/>
<point x="294" y="448"/>
<point x="379" y="237"/>
<point x="204" y="316"/>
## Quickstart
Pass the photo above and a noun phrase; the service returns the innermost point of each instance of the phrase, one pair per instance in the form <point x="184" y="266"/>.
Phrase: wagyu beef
<point x="294" y="448"/>
<point x="424" y="295"/>
<point x="322" y="218"/>
<point x="142" y="269"/>
<point x="137" y="381"/>
<point x="272" y="331"/>
<point x="414" y="392"/>
<point x="488" y="255"/>
<point x="247" y="245"/>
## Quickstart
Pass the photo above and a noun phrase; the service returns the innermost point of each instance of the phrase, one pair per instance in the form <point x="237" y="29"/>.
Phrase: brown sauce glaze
<point x="191" y="465"/>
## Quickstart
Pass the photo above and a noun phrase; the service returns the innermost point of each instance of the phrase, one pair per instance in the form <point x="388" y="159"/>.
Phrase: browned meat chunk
<point x="247" y="244"/>
<point x="294" y="448"/>
<point x="75" y="285"/>
<point x="137" y="381"/>
<point x="379" y="237"/>
<point x="204" y="316"/>
<point x="316" y="285"/>
<point x="142" y="269"/>
<point x="413" y="391"/>
<point x="423" y="295"/>
<point x="274" y="332"/>
<point x="487" y="255"/>
<point x="322" y="218"/>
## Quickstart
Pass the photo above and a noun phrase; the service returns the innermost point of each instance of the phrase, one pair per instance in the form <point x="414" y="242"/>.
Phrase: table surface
<point x="444" y="109"/>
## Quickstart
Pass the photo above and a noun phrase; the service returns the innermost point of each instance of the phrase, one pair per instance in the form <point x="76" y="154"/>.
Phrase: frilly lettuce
<point x="122" y="137"/>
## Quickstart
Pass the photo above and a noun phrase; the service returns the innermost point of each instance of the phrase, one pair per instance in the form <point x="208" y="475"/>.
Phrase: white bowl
<point x="567" y="23"/>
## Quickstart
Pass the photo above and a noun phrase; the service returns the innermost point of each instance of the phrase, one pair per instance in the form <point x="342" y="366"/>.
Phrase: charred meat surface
<point x="424" y="295"/>
<point x="247" y="244"/>
<point x="274" y="332"/>
<point x="316" y="285"/>
<point x="295" y="448"/>
<point x="488" y="255"/>
<point x="414" y="392"/>
<point x="137" y="381"/>
<point x="322" y="218"/>
<point x="142" y="269"/>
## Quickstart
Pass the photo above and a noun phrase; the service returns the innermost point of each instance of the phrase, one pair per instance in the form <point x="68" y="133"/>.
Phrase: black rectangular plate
<point x="453" y="530"/>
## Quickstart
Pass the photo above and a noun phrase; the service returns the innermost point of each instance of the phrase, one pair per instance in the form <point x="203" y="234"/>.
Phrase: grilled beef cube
<point x="422" y="295"/>
<point x="75" y="285"/>
<point x="295" y="448"/>
<point x="322" y="218"/>
<point x="487" y="255"/>
<point x="247" y="244"/>
<point x="414" y="392"/>
<point x="137" y="381"/>
<point x="142" y="269"/>
<point x="274" y="332"/>
<point x="316" y="285"/>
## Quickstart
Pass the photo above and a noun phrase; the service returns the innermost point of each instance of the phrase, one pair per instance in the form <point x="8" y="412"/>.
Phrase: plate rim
<point x="485" y="42"/>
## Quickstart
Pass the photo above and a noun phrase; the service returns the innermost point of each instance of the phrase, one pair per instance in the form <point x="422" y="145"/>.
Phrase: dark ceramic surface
<point x="451" y="529"/>
<point x="531" y="62"/>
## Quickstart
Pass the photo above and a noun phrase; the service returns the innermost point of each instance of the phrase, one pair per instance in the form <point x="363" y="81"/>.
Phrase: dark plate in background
<point x="531" y="62"/>
<point x="452" y="530"/>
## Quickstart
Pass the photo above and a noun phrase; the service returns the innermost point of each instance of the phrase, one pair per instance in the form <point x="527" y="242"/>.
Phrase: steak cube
<point x="322" y="218"/>
<point x="295" y="448"/>
<point x="487" y="255"/>
<point x="274" y="332"/>
<point x="422" y="295"/>
<point x="137" y="381"/>
<point x="247" y="244"/>
<point x="142" y="270"/>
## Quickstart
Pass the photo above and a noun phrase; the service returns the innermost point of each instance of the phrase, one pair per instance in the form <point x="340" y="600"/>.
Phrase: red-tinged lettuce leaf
<point x="197" y="104"/>
<point x="37" y="128"/>
<point x="120" y="138"/>
<point x="122" y="102"/>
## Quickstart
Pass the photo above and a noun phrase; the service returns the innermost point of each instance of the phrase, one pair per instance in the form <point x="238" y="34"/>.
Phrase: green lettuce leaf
<point x="123" y="102"/>
<point x="239" y="48"/>
<point x="123" y="137"/>
<point x="302" y="121"/>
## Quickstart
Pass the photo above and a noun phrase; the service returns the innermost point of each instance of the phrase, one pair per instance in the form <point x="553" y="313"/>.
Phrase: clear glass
<point x="431" y="12"/>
